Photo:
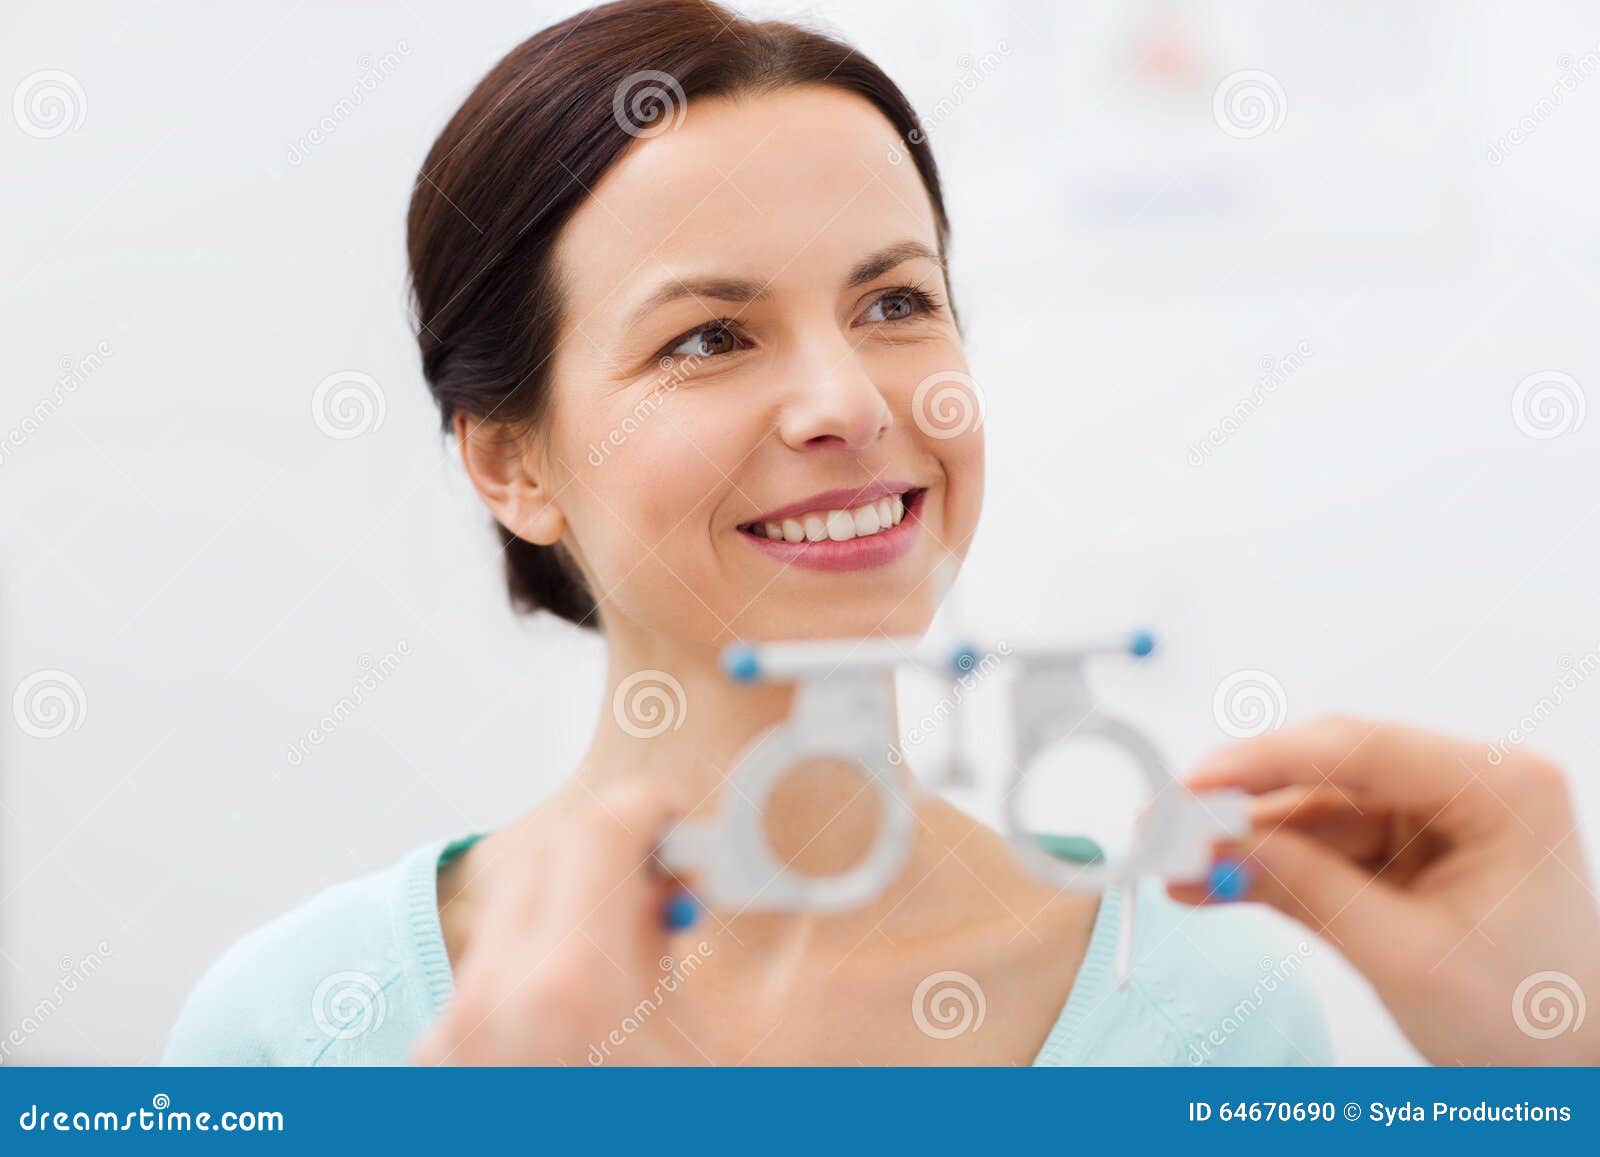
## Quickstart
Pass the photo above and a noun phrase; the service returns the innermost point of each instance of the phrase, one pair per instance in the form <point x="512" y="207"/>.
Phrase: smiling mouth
<point x="841" y="524"/>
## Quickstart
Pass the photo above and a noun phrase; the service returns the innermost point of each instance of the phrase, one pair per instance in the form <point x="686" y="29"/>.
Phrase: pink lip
<point x="853" y="554"/>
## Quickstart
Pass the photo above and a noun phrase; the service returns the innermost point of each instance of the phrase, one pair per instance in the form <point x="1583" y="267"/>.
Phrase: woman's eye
<point x="892" y="307"/>
<point x="709" y="342"/>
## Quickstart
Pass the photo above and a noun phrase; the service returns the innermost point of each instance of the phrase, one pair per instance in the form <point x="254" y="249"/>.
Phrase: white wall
<point x="1379" y="536"/>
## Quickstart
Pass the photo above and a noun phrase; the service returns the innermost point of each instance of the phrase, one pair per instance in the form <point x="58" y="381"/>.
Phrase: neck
<point x="669" y="711"/>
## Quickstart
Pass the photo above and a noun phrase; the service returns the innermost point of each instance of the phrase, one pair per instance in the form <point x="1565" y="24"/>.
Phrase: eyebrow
<point x="742" y="291"/>
<point x="875" y="265"/>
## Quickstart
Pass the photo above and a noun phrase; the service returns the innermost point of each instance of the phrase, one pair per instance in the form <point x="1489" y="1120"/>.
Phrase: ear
<point x="505" y="469"/>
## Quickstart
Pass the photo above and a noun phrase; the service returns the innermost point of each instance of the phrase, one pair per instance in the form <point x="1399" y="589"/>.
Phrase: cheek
<point x="944" y="411"/>
<point x="644" y="517"/>
<point x="964" y="468"/>
<point x="955" y="515"/>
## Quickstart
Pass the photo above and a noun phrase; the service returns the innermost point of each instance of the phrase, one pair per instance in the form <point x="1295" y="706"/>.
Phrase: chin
<point x="808" y="608"/>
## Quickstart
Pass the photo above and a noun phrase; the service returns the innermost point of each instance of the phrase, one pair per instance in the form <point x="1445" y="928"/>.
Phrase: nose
<point x="835" y="402"/>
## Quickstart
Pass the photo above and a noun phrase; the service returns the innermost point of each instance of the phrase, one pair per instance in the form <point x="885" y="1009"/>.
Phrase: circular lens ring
<point x="1096" y="876"/>
<point x="770" y="881"/>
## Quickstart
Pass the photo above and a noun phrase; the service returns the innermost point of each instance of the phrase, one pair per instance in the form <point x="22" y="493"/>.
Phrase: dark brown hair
<point x="512" y="167"/>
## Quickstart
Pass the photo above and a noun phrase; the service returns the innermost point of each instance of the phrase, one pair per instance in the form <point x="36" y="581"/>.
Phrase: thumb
<point x="432" y="1047"/>
<point x="1304" y="879"/>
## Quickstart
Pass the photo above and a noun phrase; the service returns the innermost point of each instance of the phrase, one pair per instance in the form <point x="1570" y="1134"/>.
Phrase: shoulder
<point x="342" y="979"/>
<point x="1231" y="981"/>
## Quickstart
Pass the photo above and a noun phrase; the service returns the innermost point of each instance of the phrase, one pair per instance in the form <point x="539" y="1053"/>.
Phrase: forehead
<point x="793" y="186"/>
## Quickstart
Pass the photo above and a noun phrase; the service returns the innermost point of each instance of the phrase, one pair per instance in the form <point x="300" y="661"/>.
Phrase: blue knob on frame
<point x="964" y="658"/>
<point x="1141" y="644"/>
<point x="741" y="663"/>
<point x="1229" y="880"/>
<point x="681" y="912"/>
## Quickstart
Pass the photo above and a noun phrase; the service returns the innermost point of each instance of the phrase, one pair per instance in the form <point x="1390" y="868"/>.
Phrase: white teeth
<point x="873" y="517"/>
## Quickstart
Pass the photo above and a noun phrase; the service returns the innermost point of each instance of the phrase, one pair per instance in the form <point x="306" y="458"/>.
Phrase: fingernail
<point x="1214" y="765"/>
<point x="681" y="912"/>
<point x="1229" y="880"/>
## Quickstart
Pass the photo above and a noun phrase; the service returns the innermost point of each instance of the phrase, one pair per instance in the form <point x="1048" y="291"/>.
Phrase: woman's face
<point x="761" y="424"/>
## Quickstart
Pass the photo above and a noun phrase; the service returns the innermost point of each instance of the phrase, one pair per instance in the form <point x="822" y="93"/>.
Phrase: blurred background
<point x="1284" y="315"/>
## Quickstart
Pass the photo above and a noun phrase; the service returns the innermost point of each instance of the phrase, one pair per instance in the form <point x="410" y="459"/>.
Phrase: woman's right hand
<point x="1456" y="885"/>
<point x="570" y="962"/>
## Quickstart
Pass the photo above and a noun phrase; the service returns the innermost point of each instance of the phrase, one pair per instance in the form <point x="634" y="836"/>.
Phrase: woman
<point x="680" y="282"/>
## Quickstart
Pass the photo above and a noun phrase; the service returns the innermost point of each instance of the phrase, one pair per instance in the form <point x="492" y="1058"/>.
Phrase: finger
<point x="1303" y="804"/>
<point x="581" y="871"/>
<point x="1399" y="767"/>
<point x="1323" y="890"/>
<point x="607" y="884"/>
<point x="431" y="1048"/>
<point x="516" y="867"/>
<point x="1333" y="818"/>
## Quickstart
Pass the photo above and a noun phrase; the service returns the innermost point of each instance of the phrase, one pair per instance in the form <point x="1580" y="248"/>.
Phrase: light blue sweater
<point x="353" y="976"/>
